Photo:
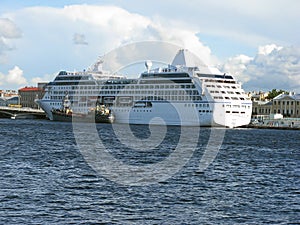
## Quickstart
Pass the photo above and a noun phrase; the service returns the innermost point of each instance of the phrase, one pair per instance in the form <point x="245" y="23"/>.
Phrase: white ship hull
<point x="162" y="113"/>
<point x="46" y="107"/>
<point x="172" y="114"/>
<point x="178" y="114"/>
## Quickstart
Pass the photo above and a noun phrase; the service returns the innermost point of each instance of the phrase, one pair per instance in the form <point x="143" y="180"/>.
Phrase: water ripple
<point x="45" y="180"/>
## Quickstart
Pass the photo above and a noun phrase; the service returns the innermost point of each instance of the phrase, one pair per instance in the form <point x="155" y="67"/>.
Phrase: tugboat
<point x="99" y="114"/>
<point x="102" y="114"/>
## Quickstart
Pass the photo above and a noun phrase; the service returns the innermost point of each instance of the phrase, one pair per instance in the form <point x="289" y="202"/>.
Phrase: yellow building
<point x="261" y="107"/>
<point x="287" y="105"/>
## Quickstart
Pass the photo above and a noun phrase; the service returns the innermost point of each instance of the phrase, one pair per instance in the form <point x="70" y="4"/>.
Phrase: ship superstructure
<point x="185" y="92"/>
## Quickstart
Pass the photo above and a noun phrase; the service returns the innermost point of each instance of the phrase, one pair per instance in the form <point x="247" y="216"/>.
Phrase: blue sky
<point x="257" y="41"/>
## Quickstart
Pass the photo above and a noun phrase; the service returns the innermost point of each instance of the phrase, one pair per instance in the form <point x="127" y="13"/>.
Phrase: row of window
<point x="235" y="112"/>
<point x="152" y="92"/>
<point x="55" y="103"/>
<point x="221" y="81"/>
<point x="280" y="111"/>
<point x="285" y="102"/>
<point x="291" y="112"/>
<point x="140" y="86"/>
<point x="205" y="111"/>
<point x="228" y="92"/>
<point x="179" y="93"/>
<point x="196" y="105"/>
<point x="134" y="110"/>
<point x="267" y="111"/>
<point x="141" y="110"/>
<point x="149" y="98"/>
<point x="224" y="86"/>
<point x="149" y="110"/>
<point x="227" y="97"/>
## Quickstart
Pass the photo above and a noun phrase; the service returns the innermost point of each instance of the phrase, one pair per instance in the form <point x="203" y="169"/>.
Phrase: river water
<point x="46" y="178"/>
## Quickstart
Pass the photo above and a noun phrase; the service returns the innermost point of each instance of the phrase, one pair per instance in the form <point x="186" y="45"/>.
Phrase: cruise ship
<point x="181" y="93"/>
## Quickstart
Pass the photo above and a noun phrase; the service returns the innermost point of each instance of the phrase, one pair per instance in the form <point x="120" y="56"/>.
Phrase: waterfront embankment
<point x="282" y="124"/>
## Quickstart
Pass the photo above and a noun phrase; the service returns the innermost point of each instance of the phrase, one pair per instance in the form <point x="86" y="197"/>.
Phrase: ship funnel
<point x="186" y="58"/>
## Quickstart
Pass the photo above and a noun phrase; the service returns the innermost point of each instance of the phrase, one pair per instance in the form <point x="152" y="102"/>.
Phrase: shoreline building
<point x="8" y="97"/>
<point x="27" y="96"/>
<point x="286" y="105"/>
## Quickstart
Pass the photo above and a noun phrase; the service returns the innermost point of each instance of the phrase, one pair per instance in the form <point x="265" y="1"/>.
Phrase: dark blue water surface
<point x="46" y="180"/>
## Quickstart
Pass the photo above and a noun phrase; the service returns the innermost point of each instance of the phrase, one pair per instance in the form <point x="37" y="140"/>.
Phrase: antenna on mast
<point x="148" y="65"/>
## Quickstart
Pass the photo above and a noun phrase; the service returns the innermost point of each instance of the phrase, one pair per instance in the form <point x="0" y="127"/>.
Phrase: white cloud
<point x="50" y="34"/>
<point x="118" y="26"/>
<point x="237" y="67"/>
<point x="251" y="23"/>
<point x="43" y="79"/>
<point x="267" y="49"/>
<point x="272" y="67"/>
<point x="13" y="79"/>
<point x="15" y="76"/>
<point x="8" y="30"/>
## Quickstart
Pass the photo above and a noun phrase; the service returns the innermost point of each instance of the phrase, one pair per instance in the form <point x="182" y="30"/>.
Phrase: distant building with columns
<point x="288" y="105"/>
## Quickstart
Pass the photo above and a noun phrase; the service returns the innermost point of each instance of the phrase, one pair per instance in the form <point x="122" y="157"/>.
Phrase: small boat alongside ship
<point x="98" y="114"/>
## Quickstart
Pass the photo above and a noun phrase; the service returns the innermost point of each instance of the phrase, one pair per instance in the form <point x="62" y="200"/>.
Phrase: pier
<point x="271" y="127"/>
<point x="21" y="113"/>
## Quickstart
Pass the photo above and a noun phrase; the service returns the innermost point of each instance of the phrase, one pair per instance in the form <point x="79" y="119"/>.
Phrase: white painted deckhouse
<point x="185" y="92"/>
